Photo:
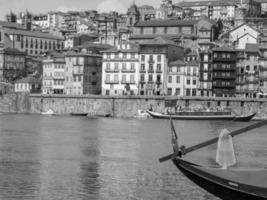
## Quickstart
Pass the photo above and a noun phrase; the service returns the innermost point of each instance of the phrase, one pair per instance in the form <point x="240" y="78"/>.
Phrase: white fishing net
<point x="225" y="155"/>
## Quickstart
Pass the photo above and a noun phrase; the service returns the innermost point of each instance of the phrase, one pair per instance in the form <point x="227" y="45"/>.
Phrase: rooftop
<point x="11" y="25"/>
<point x="29" y="79"/>
<point x="252" y="48"/>
<point x="206" y="3"/>
<point x="224" y="49"/>
<point x="177" y="63"/>
<point x="159" y="41"/>
<point x="168" y="22"/>
<point x="36" y="34"/>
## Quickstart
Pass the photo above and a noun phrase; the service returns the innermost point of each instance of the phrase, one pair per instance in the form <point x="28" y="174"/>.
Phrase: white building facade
<point x="120" y="70"/>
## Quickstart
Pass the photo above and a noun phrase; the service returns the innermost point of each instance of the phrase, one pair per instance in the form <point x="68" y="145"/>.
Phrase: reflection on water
<point x="50" y="157"/>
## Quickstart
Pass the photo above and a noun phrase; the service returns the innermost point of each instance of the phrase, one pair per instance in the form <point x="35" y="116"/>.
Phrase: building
<point x="82" y="73"/>
<point x="240" y="36"/>
<point x="224" y="72"/>
<point x="248" y="71"/>
<point x="155" y="55"/>
<point x="212" y="9"/>
<point x="28" y="84"/>
<point x="205" y="68"/>
<point x="183" y="77"/>
<point x="263" y="71"/>
<point x="12" y="65"/>
<point x="33" y="43"/>
<point x="53" y="74"/>
<point x="75" y="40"/>
<point x="133" y="16"/>
<point x="146" y="12"/>
<point x="120" y="70"/>
<point x="184" y="32"/>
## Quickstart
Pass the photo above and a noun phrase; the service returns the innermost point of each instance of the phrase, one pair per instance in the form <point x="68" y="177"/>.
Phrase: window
<point x="142" y="57"/>
<point x="169" y="91"/>
<point x="215" y="55"/>
<point x="108" y="66"/>
<point x="132" y="67"/>
<point x="150" y="67"/>
<point x="132" y="55"/>
<point x="124" y="66"/>
<point x="159" y="58"/>
<point x="159" y="67"/>
<point x="108" y="55"/>
<point x="177" y="79"/>
<point x="142" y="67"/>
<point x="188" y="81"/>
<point x="116" y="67"/>
<point x="124" y="55"/>
<point x="150" y="78"/>
<point x="132" y="79"/>
<point x="194" y="81"/>
<point x="142" y="78"/>
<point x="170" y="79"/>
<point x="178" y="69"/>
<point x="124" y="78"/>
<point x="247" y="67"/>
<point x="187" y="92"/>
<point x="108" y="78"/>
<point x="255" y="67"/>
<point x="116" y="78"/>
<point x="177" y="91"/>
<point x="194" y="92"/>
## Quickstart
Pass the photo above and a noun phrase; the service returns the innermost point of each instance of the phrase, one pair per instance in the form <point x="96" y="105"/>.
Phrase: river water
<point x="64" y="157"/>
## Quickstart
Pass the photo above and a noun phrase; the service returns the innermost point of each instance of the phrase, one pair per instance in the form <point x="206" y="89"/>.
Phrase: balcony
<point x="112" y="70"/>
<point x="112" y="82"/>
<point x="77" y="72"/>
<point x="150" y="70"/>
<point x="142" y="71"/>
<point x="158" y="71"/>
<point x="128" y="70"/>
<point x="158" y="82"/>
<point x="142" y="82"/>
<point x="128" y="82"/>
<point x="150" y="82"/>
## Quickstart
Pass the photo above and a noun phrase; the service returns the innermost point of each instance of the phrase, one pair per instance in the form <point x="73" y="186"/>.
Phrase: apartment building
<point x="53" y="74"/>
<point x="248" y="71"/>
<point x="33" y="43"/>
<point x="12" y="65"/>
<point x="82" y="73"/>
<point x="224" y="72"/>
<point x="120" y="70"/>
<point x="154" y="58"/>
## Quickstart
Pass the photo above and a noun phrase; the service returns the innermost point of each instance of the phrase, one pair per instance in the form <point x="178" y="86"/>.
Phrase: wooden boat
<point x="193" y="116"/>
<point x="244" y="118"/>
<point x="79" y="114"/>
<point x="228" y="184"/>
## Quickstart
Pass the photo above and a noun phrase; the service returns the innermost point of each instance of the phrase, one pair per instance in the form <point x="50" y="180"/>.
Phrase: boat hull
<point x="244" y="118"/>
<point x="191" y="117"/>
<point x="220" y="187"/>
<point x="78" y="114"/>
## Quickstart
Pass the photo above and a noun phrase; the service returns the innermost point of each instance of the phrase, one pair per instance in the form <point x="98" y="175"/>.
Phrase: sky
<point x="42" y="6"/>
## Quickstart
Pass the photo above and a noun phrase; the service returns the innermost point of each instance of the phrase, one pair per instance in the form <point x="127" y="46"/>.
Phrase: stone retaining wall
<point x="123" y="106"/>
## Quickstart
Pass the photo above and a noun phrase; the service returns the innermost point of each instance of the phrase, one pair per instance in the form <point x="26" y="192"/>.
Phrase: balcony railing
<point x="151" y="71"/>
<point x="112" y="70"/>
<point x="151" y="61"/>
<point x="112" y="82"/>
<point x="158" y="71"/>
<point x="128" y="70"/>
<point x="142" y="71"/>
<point x="127" y="82"/>
<point x="77" y="72"/>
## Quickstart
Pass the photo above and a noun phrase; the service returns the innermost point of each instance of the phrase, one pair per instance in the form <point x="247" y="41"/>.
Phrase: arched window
<point x="45" y="45"/>
<point x="41" y="44"/>
<point x="54" y="45"/>
<point x="31" y="45"/>
<point x="49" y="45"/>
<point x="26" y="43"/>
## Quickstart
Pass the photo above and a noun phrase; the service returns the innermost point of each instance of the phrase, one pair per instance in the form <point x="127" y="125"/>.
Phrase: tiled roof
<point x="11" y="25"/>
<point x="177" y="63"/>
<point x="252" y="48"/>
<point x="29" y="79"/>
<point x="168" y="36"/>
<point x="161" y="22"/>
<point x="146" y="7"/>
<point x="241" y="26"/>
<point x="36" y="34"/>
<point x="95" y="45"/>
<point x="77" y="54"/>
<point x="224" y="48"/>
<point x="9" y="50"/>
<point x="159" y="41"/>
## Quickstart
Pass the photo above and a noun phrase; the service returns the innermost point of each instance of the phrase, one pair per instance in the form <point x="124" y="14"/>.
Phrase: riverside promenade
<point x="124" y="106"/>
